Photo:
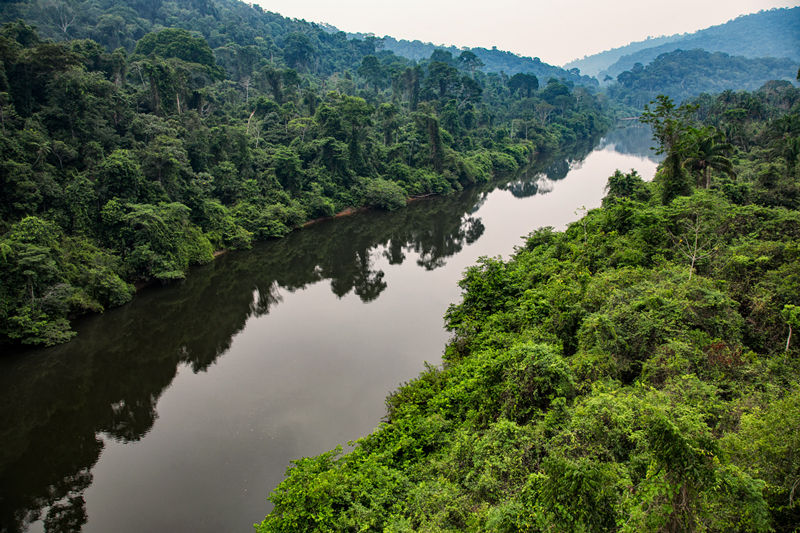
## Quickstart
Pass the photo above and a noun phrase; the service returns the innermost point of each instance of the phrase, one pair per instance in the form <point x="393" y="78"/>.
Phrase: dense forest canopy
<point x="636" y="372"/>
<point x="493" y="60"/>
<point x="129" y="155"/>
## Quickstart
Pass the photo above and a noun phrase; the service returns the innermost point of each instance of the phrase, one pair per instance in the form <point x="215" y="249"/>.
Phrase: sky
<point x="556" y="31"/>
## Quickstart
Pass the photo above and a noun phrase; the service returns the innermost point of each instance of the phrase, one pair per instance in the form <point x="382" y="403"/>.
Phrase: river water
<point x="182" y="410"/>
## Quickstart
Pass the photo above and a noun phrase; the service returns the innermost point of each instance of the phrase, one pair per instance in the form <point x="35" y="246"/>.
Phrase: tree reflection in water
<point x="59" y="405"/>
<point x="634" y="139"/>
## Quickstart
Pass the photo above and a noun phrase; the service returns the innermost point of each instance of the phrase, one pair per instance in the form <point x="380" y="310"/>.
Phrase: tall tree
<point x="524" y="82"/>
<point x="470" y="61"/>
<point x="372" y="71"/>
<point x="708" y="151"/>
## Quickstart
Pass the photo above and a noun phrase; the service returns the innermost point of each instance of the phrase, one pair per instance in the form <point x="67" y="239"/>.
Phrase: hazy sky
<point x="556" y="31"/>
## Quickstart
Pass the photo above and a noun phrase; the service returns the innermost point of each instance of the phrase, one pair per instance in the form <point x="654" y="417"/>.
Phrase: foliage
<point x="685" y="74"/>
<point x="384" y="194"/>
<point x="46" y="276"/>
<point x="610" y="377"/>
<point x="491" y="60"/>
<point x="153" y="133"/>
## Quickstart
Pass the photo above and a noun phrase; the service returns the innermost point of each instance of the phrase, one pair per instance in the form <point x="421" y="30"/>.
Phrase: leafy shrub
<point x="384" y="194"/>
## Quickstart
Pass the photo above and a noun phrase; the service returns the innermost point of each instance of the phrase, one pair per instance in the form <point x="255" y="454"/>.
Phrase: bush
<point x="384" y="194"/>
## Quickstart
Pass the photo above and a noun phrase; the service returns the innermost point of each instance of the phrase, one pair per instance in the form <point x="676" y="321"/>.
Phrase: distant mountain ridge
<point x="494" y="60"/>
<point x="592" y="65"/>
<point x="769" y="33"/>
<point x="685" y="74"/>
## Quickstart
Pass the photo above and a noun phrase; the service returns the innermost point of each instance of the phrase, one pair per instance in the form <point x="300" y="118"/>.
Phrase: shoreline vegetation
<point x="346" y="212"/>
<point x="349" y="211"/>
<point x="635" y="372"/>
<point x="124" y="167"/>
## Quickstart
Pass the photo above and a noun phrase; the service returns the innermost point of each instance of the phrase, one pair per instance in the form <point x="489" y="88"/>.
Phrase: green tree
<point x="442" y="79"/>
<point x="791" y="314"/>
<point x="298" y="50"/>
<point x="766" y="445"/>
<point x="384" y="194"/>
<point x="372" y="71"/>
<point x="288" y="169"/>
<point x="34" y="290"/>
<point x="468" y="60"/>
<point x="120" y="175"/>
<point x="672" y="129"/>
<point x="708" y="151"/>
<point x="179" y="44"/>
<point x="621" y="185"/>
<point x="523" y="82"/>
<point x="670" y="124"/>
<point x="166" y="163"/>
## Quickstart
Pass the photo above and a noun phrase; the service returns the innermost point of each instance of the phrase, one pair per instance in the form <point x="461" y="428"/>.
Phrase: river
<point x="182" y="410"/>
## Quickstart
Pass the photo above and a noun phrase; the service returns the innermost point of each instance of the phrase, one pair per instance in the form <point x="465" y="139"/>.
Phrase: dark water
<point x="182" y="410"/>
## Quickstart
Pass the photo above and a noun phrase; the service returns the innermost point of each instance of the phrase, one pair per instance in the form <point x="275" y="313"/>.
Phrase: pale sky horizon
<point x="557" y="33"/>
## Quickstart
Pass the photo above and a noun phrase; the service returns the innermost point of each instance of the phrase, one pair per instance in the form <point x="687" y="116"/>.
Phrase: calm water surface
<point x="182" y="410"/>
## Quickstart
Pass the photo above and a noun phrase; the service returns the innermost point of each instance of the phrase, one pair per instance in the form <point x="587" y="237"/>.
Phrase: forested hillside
<point x="772" y="33"/>
<point x="131" y="151"/>
<point x="594" y="64"/>
<point x="493" y="60"/>
<point x="637" y="372"/>
<point x="685" y="74"/>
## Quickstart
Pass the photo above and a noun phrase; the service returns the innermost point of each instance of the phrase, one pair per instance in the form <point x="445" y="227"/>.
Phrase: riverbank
<point x="266" y="355"/>
<point x="591" y="377"/>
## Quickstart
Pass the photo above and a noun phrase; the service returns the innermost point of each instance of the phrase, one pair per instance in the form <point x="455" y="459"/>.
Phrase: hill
<point x="594" y="64"/>
<point x="222" y="23"/>
<point x="493" y="60"/>
<point x="772" y="33"/>
<point x="634" y="373"/>
<point x="128" y="155"/>
<point x="685" y="74"/>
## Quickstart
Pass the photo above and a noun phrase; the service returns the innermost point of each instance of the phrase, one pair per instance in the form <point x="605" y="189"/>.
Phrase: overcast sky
<point x="556" y="31"/>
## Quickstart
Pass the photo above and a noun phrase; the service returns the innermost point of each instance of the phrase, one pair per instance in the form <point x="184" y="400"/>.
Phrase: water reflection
<point x="537" y="179"/>
<point x="633" y="139"/>
<point x="59" y="406"/>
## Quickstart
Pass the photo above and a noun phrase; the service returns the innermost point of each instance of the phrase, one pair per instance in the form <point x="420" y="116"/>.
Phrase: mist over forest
<point x="637" y="371"/>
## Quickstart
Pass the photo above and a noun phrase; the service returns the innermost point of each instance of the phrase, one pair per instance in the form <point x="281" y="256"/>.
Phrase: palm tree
<point x="708" y="152"/>
<point x="672" y="178"/>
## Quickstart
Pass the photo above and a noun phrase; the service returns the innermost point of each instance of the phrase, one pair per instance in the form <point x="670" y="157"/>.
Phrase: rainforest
<point x="227" y="236"/>
<point x="633" y="373"/>
<point x="123" y="167"/>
